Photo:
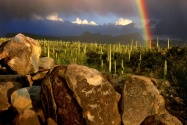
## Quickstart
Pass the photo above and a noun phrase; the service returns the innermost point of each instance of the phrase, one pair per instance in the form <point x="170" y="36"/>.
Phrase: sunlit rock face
<point x="76" y="93"/>
<point x="140" y="99"/>
<point x="21" y="54"/>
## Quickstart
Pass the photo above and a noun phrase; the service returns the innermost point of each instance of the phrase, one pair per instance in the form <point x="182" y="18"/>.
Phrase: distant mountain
<point x="90" y="37"/>
<point x="66" y="28"/>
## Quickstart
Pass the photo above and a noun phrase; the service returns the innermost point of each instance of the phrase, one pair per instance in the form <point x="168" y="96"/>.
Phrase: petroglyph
<point x="139" y="100"/>
<point x="92" y="91"/>
<point x="93" y="106"/>
<point x="134" y="91"/>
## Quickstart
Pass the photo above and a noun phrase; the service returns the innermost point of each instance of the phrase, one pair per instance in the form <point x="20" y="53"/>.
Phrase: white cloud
<point x="122" y="21"/>
<point x="37" y="17"/>
<point x="54" y="17"/>
<point x="85" y="22"/>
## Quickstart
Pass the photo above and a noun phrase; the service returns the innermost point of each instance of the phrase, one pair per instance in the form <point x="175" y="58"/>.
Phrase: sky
<point x="166" y="18"/>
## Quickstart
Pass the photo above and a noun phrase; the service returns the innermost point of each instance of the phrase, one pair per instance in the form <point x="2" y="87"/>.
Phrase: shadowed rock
<point x="21" y="54"/>
<point x="79" y="95"/>
<point x="6" y="89"/>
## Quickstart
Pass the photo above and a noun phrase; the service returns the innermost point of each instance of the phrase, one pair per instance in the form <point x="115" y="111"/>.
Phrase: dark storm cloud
<point x="168" y="17"/>
<point x="171" y="16"/>
<point x="166" y="8"/>
<point x="27" y="8"/>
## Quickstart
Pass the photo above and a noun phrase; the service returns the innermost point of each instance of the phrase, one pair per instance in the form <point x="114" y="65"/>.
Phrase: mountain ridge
<point x="89" y="37"/>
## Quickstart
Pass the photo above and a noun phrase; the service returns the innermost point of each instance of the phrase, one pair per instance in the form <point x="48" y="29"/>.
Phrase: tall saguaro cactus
<point x="109" y="58"/>
<point x="165" y="69"/>
<point x="168" y="44"/>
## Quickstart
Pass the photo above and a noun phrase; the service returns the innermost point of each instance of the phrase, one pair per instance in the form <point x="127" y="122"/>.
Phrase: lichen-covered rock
<point x="21" y="54"/>
<point x="80" y="95"/>
<point x="6" y="89"/>
<point x="26" y="98"/>
<point x="27" y="117"/>
<point x="140" y="99"/>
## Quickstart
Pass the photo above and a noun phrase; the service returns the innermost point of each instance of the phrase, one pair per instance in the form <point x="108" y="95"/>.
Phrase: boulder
<point x="46" y="63"/>
<point x="21" y="54"/>
<point x="58" y="100"/>
<point x="140" y="99"/>
<point x="27" y="117"/>
<point x="26" y="98"/>
<point x="6" y="89"/>
<point x="76" y="94"/>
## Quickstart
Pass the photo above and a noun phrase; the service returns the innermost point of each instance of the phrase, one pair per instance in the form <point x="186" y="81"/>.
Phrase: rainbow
<point x="144" y="18"/>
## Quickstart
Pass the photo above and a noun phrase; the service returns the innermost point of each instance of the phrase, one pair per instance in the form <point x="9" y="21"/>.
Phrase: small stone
<point x="50" y="121"/>
<point x="39" y="75"/>
<point x="46" y="63"/>
<point x="27" y="117"/>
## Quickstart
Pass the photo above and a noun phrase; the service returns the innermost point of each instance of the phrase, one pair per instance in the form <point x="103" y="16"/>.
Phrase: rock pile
<point x="71" y="94"/>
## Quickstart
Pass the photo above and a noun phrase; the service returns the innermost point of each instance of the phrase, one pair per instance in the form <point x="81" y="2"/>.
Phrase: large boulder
<point x="140" y="99"/>
<point x="26" y="98"/>
<point x="76" y="94"/>
<point x="21" y="54"/>
<point x="6" y="89"/>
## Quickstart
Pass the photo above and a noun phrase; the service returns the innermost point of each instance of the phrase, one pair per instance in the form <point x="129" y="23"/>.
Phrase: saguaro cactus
<point x="109" y="57"/>
<point x="165" y="69"/>
<point x="168" y="44"/>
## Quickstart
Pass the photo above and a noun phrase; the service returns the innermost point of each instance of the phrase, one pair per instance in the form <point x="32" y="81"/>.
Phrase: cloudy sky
<point x="166" y="17"/>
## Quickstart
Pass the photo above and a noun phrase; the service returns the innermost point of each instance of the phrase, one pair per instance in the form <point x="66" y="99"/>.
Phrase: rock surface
<point x="27" y="117"/>
<point x="26" y="98"/>
<point x="80" y="95"/>
<point x="6" y="89"/>
<point x="21" y="54"/>
<point x="140" y="99"/>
